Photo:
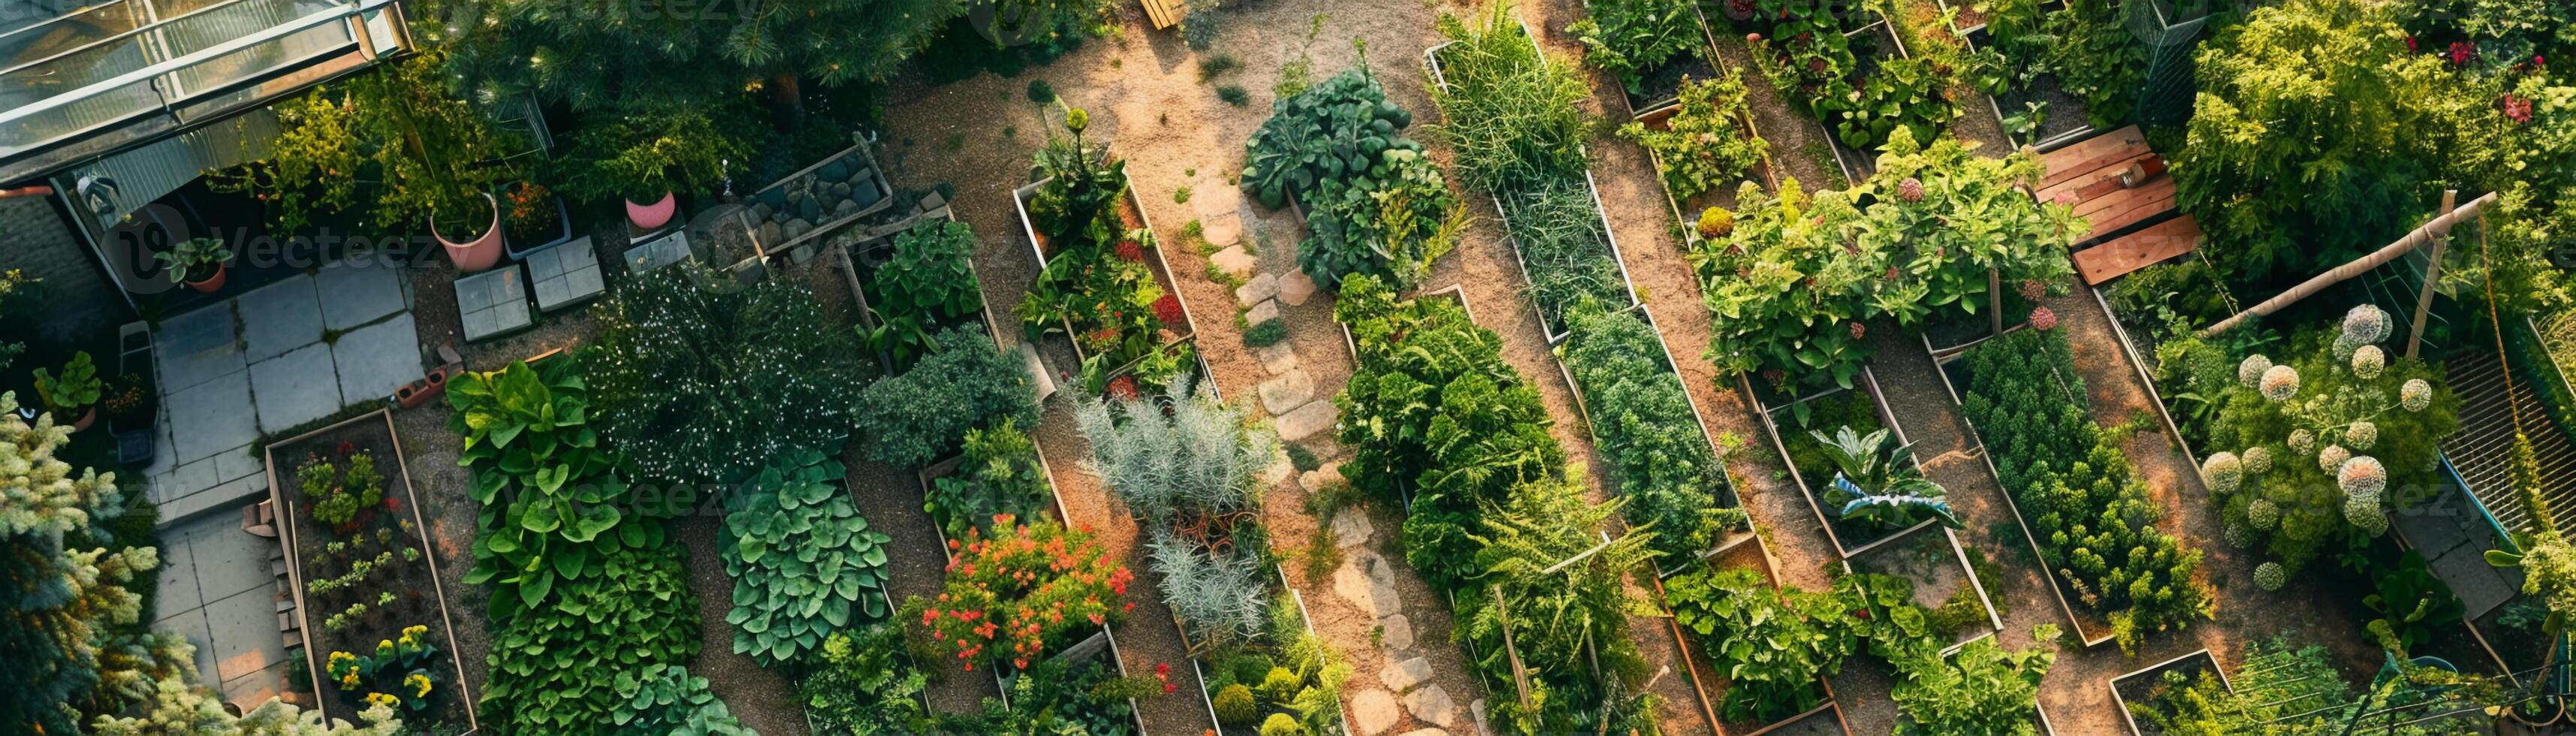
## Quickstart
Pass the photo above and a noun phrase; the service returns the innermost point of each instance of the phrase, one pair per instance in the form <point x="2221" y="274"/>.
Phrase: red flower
<point x="1168" y="687"/>
<point x="1123" y="388"/>
<point x="346" y="447"/>
<point x="2462" y="52"/>
<point x="1857" y="330"/>
<point x="2410" y="44"/>
<point x="1163" y="669"/>
<point x="2517" y="108"/>
<point x="1131" y="250"/>
<point x="1168" y="309"/>
<point x="2042" y="319"/>
<point x="395" y="504"/>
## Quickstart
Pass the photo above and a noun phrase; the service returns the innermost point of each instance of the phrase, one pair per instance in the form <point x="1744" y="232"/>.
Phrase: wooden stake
<point x="2432" y="275"/>
<point x="2305" y="289"/>
<point x="1995" y="299"/>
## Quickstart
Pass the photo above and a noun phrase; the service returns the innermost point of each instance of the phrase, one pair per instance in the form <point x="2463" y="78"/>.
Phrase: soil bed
<point x="1662" y="85"/>
<point x="2141" y="688"/>
<point x="1131" y="216"/>
<point x="419" y="599"/>
<point x="2065" y="119"/>
<point x="1950" y="329"/>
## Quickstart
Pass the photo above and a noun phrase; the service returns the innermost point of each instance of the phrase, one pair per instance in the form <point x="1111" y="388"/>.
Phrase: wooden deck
<point x="2138" y="250"/>
<point x="2116" y="183"/>
<point x="1165" y="13"/>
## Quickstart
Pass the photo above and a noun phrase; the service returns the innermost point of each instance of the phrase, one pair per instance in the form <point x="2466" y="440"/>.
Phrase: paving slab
<point x="229" y="561"/>
<point x="197" y="347"/>
<point x="358" y="291"/>
<point x="297" y="387"/>
<point x="244" y="629"/>
<point x="191" y="625"/>
<point x="376" y="359"/>
<point x="190" y="478"/>
<point x="493" y="303"/>
<point x="250" y="690"/>
<point x="177" y="591"/>
<point x="1305" y="421"/>
<point x="211" y="417"/>
<point x="279" y="317"/>
<point x="236" y="465"/>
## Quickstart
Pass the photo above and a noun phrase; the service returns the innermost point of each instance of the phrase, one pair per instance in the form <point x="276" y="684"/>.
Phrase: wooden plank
<point x="2091" y="154"/>
<point x="2140" y="204"/>
<point x="1164" y="13"/>
<point x="2138" y="250"/>
<point x="2109" y="171"/>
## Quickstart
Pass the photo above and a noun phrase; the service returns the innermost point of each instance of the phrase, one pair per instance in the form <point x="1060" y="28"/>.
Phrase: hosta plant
<point x="1704" y="145"/>
<point x="664" y="699"/>
<point x="552" y="510"/>
<point x="804" y="562"/>
<point x="1021" y="589"/>
<point x="549" y="665"/>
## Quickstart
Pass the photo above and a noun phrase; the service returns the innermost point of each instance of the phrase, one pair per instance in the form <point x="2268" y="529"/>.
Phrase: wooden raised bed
<point x="1724" y="495"/>
<point x="1133" y="210"/>
<point x="1859" y="165"/>
<point x="2047" y="89"/>
<point x="1920" y="552"/>
<point x="1750" y="552"/>
<point x="304" y="538"/>
<point x="2056" y="584"/>
<point x="787" y="201"/>
<point x="2134" y="686"/>
<point x="1663" y="83"/>
<point x="1431" y="57"/>
<point x="1199" y="667"/>
<point x="2038" y="713"/>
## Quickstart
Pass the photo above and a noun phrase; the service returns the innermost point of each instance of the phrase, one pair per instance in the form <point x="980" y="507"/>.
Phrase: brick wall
<point x="74" y="297"/>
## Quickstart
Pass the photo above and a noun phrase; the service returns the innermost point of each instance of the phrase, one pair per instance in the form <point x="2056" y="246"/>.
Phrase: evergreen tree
<point x="57" y="601"/>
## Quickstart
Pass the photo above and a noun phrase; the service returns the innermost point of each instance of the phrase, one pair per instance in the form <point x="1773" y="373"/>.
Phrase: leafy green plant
<point x="551" y="509"/>
<point x="1556" y="229"/>
<point x="696" y="381"/>
<point x="1105" y="297"/>
<point x="1379" y="206"/>
<point x="1022" y="589"/>
<point x="394" y="144"/>
<point x="76" y="388"/>
<point x="1982" y="688"/>
<point x="1805" y="55"/>
<point x="864" y="684"/>
<point x="1335" y="130"/>
<point x="657" y="148"/>
<point x="1899" y="93"/>
<point x="1562" y="592"/>
<point x="666" y="699"/>
<point x="339" y="492"/>
<point x="2410" y="602"/>
<point x="1773" y="645"/>
<point x="804" y="562"/>
<point x="1631" y="38"/>
<point x="1658" y="454"/>
<point x="2097" y="59"/>
<point x="1076" y="205"/>
<point x="547" y="663"/>
<point x="1001" y="475"/>
<point x="1512" y="115"/>
<point x="1876" y="482"/>
<point x="194" y="259"/>
<point x="910" y="419"/>
<point x="924" y="285"/>
<point x="1704" y="145"/>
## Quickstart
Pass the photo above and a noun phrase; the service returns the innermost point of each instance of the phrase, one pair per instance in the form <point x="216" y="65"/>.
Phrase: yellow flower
<point x="383" y="700"/>
<point x="384" y="648"/>
<point x="419" y="684"/>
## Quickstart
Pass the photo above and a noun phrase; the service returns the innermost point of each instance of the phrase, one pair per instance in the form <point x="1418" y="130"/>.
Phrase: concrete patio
<point x="218" y="590"/>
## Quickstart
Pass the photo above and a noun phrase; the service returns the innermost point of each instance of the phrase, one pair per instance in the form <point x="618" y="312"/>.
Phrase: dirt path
<point x="891" y="500"/>
<point x="761" y="697"/>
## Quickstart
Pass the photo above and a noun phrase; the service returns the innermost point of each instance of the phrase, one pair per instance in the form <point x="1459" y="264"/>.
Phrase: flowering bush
<point x="1021" y="587"/>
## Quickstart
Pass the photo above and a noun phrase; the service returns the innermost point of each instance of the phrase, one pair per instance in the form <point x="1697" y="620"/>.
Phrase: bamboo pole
<point x="2432" y="275"/>
<point x="2438" y="227"/>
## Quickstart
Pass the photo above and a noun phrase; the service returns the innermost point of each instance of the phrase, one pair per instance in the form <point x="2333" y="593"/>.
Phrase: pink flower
<point x="2461" y="52"/>
<point x="2042" y="319"/>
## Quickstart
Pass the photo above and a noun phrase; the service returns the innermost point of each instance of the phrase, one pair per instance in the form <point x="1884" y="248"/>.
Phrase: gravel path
<point x="761" y="697"/>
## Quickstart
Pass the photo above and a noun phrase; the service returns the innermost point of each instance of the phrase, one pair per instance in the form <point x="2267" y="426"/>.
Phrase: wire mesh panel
<point x="2168" y="32"/>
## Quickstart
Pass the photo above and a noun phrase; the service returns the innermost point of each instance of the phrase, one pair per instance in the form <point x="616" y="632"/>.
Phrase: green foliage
<point x="1980" y="689"/>
<point x="393" y="143"/>
<point x="2410" y="601"/>
<point x="865" y="685"/>
<point x="1900" y="93"/>
<point x="1433" y="412"/>
<point x="1877" y="483"/>
<point x="1269" y="332"/>
<point x="2081" y="499"/>
<point x="1557" y="230"/>
<point x="1234" y="706"/>
<point x="2021" y="45"/>
<point x="2097" y="59"/>
<point x="1703" y="146"/>
<point x="172" y="705"/>
<point x="665" y="700"/>
<point x="338" y="492"/>
<point x="1001" y="474"/>
<point x="804" y="562"/>
<point x="1512" y="115"/>
<point x="1056" y="697"/>
<point x="1076" y="205"/>
<point x="1567" y="613"/>
<point x="194" y="259"/>
<point x="68" y="601"/>
<point x="696" y="381"/>
<point x="2284" y="688"/>
<point x="1233" y="94"/>
<point x="552" y="512"/>
<point x="926" y="284"/>
<point x="548" y="664"/>
<point x="658" y="148"/>
<point x="908" y="420"/>
<point x="74" y="390"/>
<point x="1281" y="724"/>
<point x="1176" y="460"/>
<point x="2286" y="187"/>
<point x="1772" y="645"/>
<point x="1379" y="206"/>
<point x="1805" y="55"/>
<point x="1631" y="38"/>
<point x="1040" y="92"/>
<point x="1658" y="454"/>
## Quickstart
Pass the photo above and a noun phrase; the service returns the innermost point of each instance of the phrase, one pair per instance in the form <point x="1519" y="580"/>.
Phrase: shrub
<point x="666" y="699"/>
<point x="908" y="420"/>
<point x="863" y="683"/>
<point x="1021" y="588"/>
<point x="1233" y="94"/>
<point x="1040" y="92"/>
<point x="698" y="382"/>
<point x="1234" y="706"/>
<point x="1281" y="724"/>
<point x="926" y="284"/>
<point x="1658" y="454"/>
<point x="803" y="560"/>
<point x="1703" y="146"/>
<point x="1001" y="475"/>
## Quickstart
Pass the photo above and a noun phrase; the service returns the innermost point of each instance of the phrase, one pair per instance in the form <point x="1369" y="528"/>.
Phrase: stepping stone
<point x="1288" y="391"/>
<point x="494" y="303"/>
<point x="1426" y="732"/>
<point x="279" y="317"/>
<point x="1353" y="585"/>
<point x="1320" y="478"/>
<point x="1351" y="529"/>
<point x="672" y="247"/>
<point x="1397" y="633"/>
<point x="1295" y="287"/>
<point x="1432" y="704"/>
<point x="1305" y="421"/>
<point x="295" y="388"/>
<point x="1375" y="711"/>
<point x="1382" y="594"/>
<point x="1235" y="262"/>
<point x="1403" y="676"/>
<point x="358" y="291"/>
<point x="1265" y="311"/>
<point x="1280" y="357"/>
<point x="1225" y="229"/>
<point x="566" y="274"/>
<point x="1259" y="289"/>
<point x="1216" y="201"/>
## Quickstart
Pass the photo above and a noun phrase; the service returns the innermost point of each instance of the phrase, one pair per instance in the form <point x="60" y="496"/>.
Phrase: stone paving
<point x="218" y="589"/>
<point x="271" y="359"/>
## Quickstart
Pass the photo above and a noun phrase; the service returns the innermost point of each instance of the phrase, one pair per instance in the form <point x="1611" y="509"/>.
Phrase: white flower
<point x="2258" y="460"/>
<point x="2280" y="382"/>
<point x="2361" y="435"/>
<point x="2367" y="362"/>
<point x="2302" y="440"/>
<point x="2332" y="457"/>
<point x="2223" y="472"/>
<point x="2263" y="514"/>
<point x="2251" y="371"/>
<point x="2416" y="394"/>
<point x="2362" y="476"/>
<point x="2365" y="324"/>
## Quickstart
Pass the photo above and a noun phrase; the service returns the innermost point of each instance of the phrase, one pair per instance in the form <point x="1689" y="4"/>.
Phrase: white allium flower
<point x="2367" y="362"/>
<point x="2416" y="395"/>
<point x="2365" y="324"/>
<point x="2362" y="476"/>
<point x="2361" y="435"/>
<point x="2263" y="514"/>
<point x="2270" y="576"/>
<point x="2251" y="371"/>
<point x="2332" y="457"/>
<point x="2223" y="472"/>
<point x="2302" y="441"/>
<point x="2258" y="460"/>
<point x="2280" y="382"/>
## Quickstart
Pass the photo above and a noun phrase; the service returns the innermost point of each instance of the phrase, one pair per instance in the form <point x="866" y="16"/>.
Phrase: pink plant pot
<point x="655" y="215"/>
<point x="480" y="253"/>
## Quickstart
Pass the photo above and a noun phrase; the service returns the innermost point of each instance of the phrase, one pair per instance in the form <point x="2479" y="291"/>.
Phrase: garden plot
<point x="1143" y="332"/>
<point x="1650" y="452"/>
<point x="1874" y="45"/>
<point x="2148" y="687"/>
<point x="1649" y="50"/>
<point x="2034" y="107"/>
<point x="2038" y="713"/>
<point x="800" y="209"/>
<point x="1810" y="713"/>
<point x="354" y="518"/>
<point x="1698" y="146"/>
<point x="1923" y="551"/>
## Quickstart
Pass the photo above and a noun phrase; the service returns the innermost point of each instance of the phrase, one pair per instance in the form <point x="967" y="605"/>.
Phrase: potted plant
<point x="395" y="143"/>
<point x="128" y="400"/>
<point x="197" y="262"/>
<point x="532" y="217"/>
<point x="646" y="157"/>
<point x="75" y="390"/>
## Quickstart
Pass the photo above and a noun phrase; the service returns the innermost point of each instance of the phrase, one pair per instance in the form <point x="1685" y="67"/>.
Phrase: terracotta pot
<point x="480" y="253"/>
<point x="653" y="216"/>
<point x="211" y="284"/>
<point x="88" y="417"/>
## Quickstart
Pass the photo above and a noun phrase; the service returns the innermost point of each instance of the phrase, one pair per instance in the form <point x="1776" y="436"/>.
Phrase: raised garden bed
<point x="1662" y="85"/>
<point x="1826" y="717"/>
<point x="2038" y="713"/>
<point x="800" y="209"/>
<point x="1924" y="552"/>
<point x="401" y="590"/>
<point x="2140" y="687"/>
<point x="2084" y="625"/>
<point x="1199" y="665"/>
<point x="1131" y="215"/>
<point x="1725" y="493"/>
<point x="1683" y="208"/>
<point x="1950" y="331"/>
<point x="2064" y="119"/>
<point x="1872" y="44"/>
<point x="517" y="247"/>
